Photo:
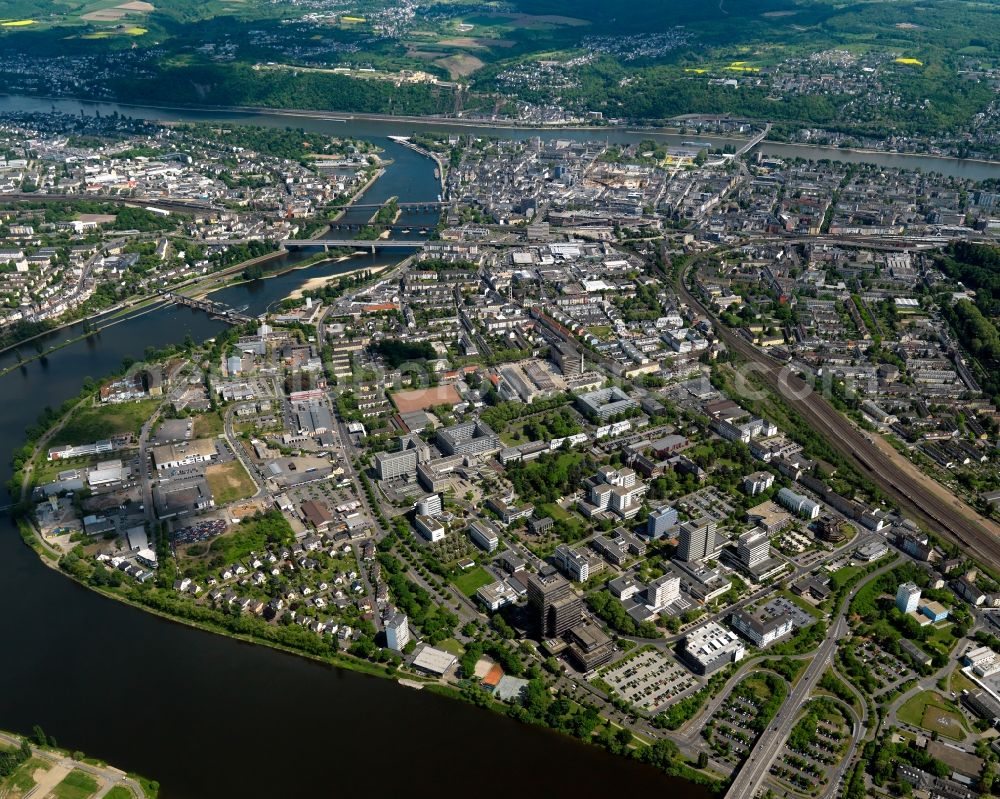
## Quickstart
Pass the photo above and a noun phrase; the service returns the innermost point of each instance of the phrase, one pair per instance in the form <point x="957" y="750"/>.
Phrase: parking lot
<point x="649" y="679"/>
<point x="735" y="726"/>
<point x="200" y="531"/>
<point x="815" y="746"/>
<point x="780" y="604"/>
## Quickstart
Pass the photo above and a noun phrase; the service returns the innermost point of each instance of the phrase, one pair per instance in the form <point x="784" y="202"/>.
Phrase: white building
<point x="429" y="528"/>
<point x="484" y="535"/>
<point x="798" y="504"/>
<point x="397" y="631"/>
<point x="711" y="647"/>
<point x="753" y="547"/>
<point x="430" y="505"/>
<point x="757" y="483"/>
<point x="907" y="598"/>
<point x="663" y="590"/>
<point x="761" y="632"/>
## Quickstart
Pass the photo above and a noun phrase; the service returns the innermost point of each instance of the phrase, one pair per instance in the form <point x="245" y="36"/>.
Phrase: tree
<point x="39" y="735"/>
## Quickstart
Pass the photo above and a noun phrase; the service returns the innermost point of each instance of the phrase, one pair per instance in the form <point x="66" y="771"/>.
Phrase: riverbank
<point x="319" y="282"/>
<point x="144" y="307"/>
<point x="678" y="768"/>
<point x="976" y="169"/>
<point x="884" y="153"/>
<point x="45" y="765"/>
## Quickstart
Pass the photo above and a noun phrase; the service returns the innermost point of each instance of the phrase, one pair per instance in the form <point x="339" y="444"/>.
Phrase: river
<point x="214" y="718"/>
<point x="409" y="181"/>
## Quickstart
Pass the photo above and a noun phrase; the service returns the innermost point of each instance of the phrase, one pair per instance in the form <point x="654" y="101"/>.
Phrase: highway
<point x="918" y="495"/>
<point x="756" y="769"/>
<point x="751" y="776"/>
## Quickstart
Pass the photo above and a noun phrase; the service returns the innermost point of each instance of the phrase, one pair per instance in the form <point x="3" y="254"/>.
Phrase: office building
<point x="468" y="438"/>
<point x="430" y="505"/>
<point x="397" y="631"/>
<point x="573" y="563"/>
<point x="798" y="504"/>
<point x="496" y="595"/>
<point x="660" y="521"/>
<point x="753" y="548"/>
<point x="567" y="358"/>
<point x="403" y="462"/>
<point x="590" y="647"/>
<point x="711" y="647"/>
<point x="605" y="403"/>
<point x="663" y="591"/>
<point x="697" y="539"/>
<point x="757" y="483"/>
<point x="484" y="535"/>
<point x="429" y="528"/>
<point x="173" y="456"/>
<point x="555" y="605"/>
<point x="761" y="632"/>
<point x="907" y="598"/>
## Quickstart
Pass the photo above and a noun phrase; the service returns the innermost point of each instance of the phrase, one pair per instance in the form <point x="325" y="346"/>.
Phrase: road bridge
<point x="428" y="205"/>
<point x="754" y="141"/>
<point x="372" y="245"/>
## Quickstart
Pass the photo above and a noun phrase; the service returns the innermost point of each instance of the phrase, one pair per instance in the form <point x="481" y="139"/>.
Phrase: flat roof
<point x="435" y="661"/>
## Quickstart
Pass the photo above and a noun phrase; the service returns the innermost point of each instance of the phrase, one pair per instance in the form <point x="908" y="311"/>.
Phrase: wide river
<point x="212" y="718"/>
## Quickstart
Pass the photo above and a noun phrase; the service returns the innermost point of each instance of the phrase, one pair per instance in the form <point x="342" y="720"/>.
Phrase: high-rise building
<point x="660" y="521"/>
<point x="430" y="505"/>
<point x="663" y="590"/>
<point x="907" y="597"/>
<point x="567" y="358"/>
<point x="753" y="547"/>
<point x="697" y="539"/>
<point x="574" y="563"/>
<point x="403" y="462"/>
<point x="397" y="631"/>
<point x="556" y="606"/>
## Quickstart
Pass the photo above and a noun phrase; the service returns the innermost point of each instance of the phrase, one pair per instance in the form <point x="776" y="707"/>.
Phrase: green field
<point x="208" y="425"/>
<point x="472" y="580"/>
<point x="119" y="792"/>
<point x="94" y="423"/>
<point x="931" y="711"/>
<point x="22" y="780"/>
<point x="229" y="482"/>
<point x="77" y="785"/>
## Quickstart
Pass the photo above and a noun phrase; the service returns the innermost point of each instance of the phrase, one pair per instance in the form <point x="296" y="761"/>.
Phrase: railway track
<point x="917" y="494"/>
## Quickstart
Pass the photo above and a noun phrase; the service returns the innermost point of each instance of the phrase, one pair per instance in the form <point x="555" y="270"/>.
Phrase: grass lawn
<point x="959" y="682"/>
<point x="208" y="425"/>
<point x="77" y="785"/>
<point x="119" y="792"/>
<point x="759" y="686"/>
<point x="930" y="711"/>
<point x="95" y="423"/>
<point x="842" y="576"/>
<point x="229" y="482"/>
<point x="556" y="511"/>
<point x="453" y="646"/>
<point x="472" y="580"/>
<point x="22" y="780"/>
<point x="940" y="637"/>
